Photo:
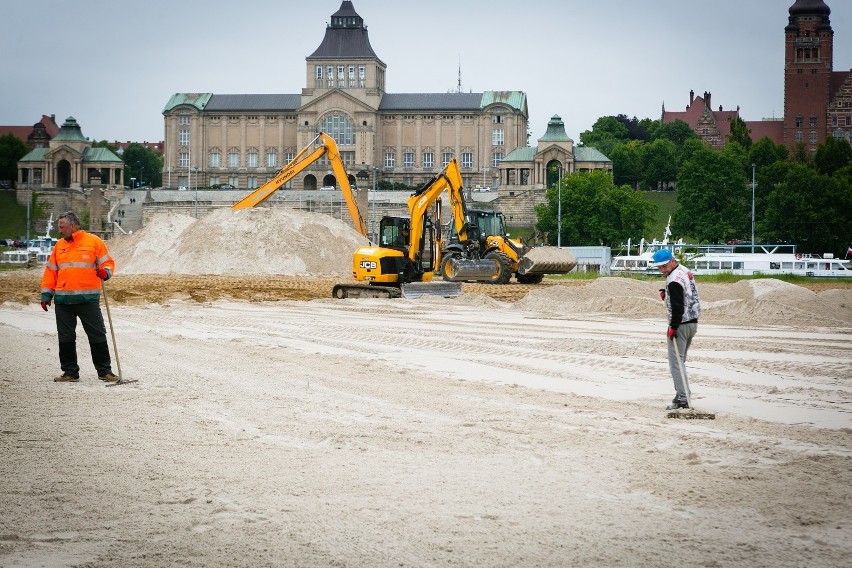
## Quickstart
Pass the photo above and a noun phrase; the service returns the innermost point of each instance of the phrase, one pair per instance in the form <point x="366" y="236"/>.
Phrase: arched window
<point x="338" y="127"/>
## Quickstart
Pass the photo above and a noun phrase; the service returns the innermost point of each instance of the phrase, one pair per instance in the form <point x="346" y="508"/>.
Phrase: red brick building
<point x="38" y="135"/>
<point x="817" y="99"/>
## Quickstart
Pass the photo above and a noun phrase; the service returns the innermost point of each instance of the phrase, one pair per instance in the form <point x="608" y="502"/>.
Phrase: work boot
<point x="66" y="378"/>
<point x="109" y="377"/>
<point x="677" y="404"/>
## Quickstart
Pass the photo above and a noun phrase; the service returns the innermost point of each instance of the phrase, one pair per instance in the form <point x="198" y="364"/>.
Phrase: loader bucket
<point x="464" y="269"/>
<point x="547" y="260"/>
<point x="434" y="288"/>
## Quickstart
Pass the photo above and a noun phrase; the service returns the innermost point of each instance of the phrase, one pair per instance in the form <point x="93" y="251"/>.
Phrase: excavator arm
<point x="302" y="160"/>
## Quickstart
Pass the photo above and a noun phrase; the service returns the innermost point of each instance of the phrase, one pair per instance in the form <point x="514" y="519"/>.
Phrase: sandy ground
<point x="271" y="425"/>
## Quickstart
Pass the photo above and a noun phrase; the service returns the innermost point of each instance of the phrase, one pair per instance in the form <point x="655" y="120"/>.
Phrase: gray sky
<point x="114" y="64"/>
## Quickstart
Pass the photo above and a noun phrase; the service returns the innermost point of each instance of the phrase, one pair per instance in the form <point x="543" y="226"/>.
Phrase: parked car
<point x="182" y="188"/>
<point x="327" y="188"/>
<point x="227" y="186"/>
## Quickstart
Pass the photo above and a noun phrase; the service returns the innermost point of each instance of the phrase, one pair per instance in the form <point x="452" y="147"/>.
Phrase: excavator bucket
<point x="547" y="260"/>
<point x="434" y="288"/>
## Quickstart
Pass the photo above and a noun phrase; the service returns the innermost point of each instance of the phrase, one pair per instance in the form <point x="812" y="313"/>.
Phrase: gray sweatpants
<point x="684" y="336"/>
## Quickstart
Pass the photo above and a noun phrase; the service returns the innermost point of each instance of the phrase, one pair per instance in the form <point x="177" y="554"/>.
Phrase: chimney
<point x="691" y="97"/>
<point x="707" y="100"/>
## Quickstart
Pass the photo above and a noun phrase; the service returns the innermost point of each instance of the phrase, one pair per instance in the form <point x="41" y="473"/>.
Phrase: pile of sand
<point x="764" y="301"/>
<point x="250" y="241"/>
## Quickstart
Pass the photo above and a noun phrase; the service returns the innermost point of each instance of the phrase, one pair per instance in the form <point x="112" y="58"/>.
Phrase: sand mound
<point x="251" y="241"/>
<point x="762" y="301"/>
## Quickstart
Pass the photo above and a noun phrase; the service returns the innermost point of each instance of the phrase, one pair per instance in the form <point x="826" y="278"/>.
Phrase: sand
<point x="512" y="426"/>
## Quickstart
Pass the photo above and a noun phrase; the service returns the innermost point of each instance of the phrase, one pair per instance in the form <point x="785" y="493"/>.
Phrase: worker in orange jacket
<point x="72" y="279"/>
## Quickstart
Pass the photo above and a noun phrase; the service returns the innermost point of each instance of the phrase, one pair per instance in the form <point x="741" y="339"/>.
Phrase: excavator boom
<point x="303" y="159"/>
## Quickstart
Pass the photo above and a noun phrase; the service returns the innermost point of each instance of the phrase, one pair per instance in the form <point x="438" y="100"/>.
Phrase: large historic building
<point x="817" y="99"/>
<point x="243" y="140"/>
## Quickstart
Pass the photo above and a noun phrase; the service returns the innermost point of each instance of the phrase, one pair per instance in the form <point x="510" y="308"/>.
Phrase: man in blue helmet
<point x="684" y="309"/>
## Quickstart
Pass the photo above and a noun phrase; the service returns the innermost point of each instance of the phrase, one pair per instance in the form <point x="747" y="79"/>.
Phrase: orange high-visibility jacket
<point x="70" y="275"/>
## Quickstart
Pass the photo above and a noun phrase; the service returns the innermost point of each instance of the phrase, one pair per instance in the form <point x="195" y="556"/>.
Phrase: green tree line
<point x="800" y="198"/>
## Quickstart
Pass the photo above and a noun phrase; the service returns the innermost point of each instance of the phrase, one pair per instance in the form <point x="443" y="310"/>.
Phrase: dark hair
<point x="71" y="217"/>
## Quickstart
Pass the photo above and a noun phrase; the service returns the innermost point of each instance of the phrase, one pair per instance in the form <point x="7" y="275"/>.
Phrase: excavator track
<point x="341" y="291"/>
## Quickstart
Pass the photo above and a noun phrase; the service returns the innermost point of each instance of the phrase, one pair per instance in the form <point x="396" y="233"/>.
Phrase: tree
<point x="832" y="155"/>
<point x="812" y="211"/>
<point x="659" y="160"/>
<point x="12" y="149"/>
<point x="606" y="132"/>
<point x="740" y="133"/>
<point x="636" y="129"/>
<point x="714" y="198"/>
<point x="766" y="152"/>
<point x="143" y="164"/>
<point x="677" y="131"/>
<point x="594" y="211"/>
<point x="627" y="165"/>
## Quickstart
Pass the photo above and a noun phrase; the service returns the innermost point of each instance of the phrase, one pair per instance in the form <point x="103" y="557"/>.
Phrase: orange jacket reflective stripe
<point x="70" y="275"/>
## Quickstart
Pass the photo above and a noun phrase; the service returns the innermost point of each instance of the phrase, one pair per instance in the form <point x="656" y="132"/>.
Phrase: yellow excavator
<point x="412" y="249"/>
<point x="323" y="145"/>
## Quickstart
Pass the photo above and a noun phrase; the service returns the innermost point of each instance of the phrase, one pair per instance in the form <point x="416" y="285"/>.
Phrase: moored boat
<point x="766" y="260"/>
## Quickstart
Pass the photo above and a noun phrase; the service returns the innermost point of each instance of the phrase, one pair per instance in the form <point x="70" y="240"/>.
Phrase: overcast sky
<point x="113" y="65"/>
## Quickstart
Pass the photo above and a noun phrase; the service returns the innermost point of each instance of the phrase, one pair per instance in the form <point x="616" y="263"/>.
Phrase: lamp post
<point x="752" y="207"/>
<point x="196" y="190"/>
<point x="559" y="209"/>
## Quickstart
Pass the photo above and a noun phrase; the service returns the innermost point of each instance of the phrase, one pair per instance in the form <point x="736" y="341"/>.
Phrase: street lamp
<point x="752" y="207"/>
<point x="559" y="209"/>
<point x="196" y="190"/>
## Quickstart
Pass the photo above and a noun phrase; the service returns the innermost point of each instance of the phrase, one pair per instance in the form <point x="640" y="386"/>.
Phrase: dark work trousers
<point x="93" y="324"/>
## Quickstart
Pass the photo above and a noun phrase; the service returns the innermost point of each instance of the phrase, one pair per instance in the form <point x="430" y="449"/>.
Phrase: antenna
<point x="459" y="88"/>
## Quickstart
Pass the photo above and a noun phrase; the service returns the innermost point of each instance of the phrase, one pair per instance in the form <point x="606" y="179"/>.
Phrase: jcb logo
<point x="368" y="265"/>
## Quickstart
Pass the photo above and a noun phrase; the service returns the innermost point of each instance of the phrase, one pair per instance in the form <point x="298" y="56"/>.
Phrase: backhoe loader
<point x="528" y="263"/>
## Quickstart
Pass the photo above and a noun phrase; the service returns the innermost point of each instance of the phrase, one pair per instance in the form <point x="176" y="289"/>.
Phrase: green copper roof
<point x="198" y="100"/>
<point x="99" y="155"/>
<point x="515" y="99"/>
<point x="589" y="154"/>
<point x="35" y="155"/>
<point x="555" y="131"/>
<point x="525" y="154"/>
<point x="70" y="132"/>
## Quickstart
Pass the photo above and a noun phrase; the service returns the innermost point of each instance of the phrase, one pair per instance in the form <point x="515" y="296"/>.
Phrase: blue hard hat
<point x="662" y="256"/>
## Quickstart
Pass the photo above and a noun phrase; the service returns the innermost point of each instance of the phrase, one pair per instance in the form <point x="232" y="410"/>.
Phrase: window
<point x="183" y="119"/>
<point x="467" y="160"/>
<point x="497" y="137"/>
<point x="288" y="156"/>
<point x="329" y="76"/>
<point x="338" y="127"/>
<point x="348" y="157"/>
<point x="340" y="79"/>
<point x="496" y="119"/>
<point x="813" y="122"/>
<point x="234" y="181"/>
<point x="271" y="159"/>
<point x="495" y="159"/>
<point x="800" y="121"/>
<point x="799" y="136"/>
<point x="834" y="120"/>
<point x="848" y="120"/>
<point x="251" y="159"/>
<point x="214" y="181"/>
<point x="408" y="160"/>
<point x="215" y="159"/>
<point x="390" y="159"/>
<point x="233" y="159"/>
<point x="813" y="138"/>
<point x="251" y="182"/>
<point x="318" y="76"/>
<point x="428" y="160"/>
<point x="184" y="159"/>
<point x="183" y="137"/>
<point x="362" y="76"/>
<point x="446" y="156"/>
<point x="351" y="76"/>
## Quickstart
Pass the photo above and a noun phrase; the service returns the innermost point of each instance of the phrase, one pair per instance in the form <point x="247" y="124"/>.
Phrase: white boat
<point x="768" y="260"/>
<point x="641" y="262"/>
<point x="37" y="252"/>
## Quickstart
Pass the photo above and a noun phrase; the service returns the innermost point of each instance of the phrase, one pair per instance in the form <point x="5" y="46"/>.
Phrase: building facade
<point x="817" y="99"/>
<point x="243" y="140"/>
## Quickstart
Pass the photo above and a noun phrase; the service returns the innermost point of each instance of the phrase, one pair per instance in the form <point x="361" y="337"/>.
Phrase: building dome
<point x="809" y="7"/>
